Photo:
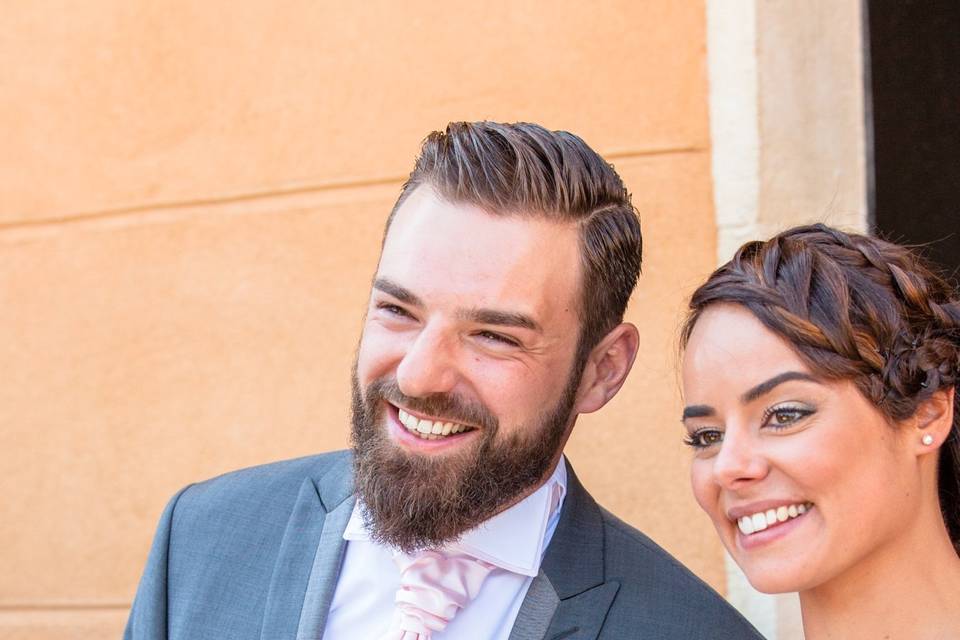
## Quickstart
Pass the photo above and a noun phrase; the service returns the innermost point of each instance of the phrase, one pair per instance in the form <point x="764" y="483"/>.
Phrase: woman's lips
<point x="771" y="527"/>
<point x="763" y="519"/>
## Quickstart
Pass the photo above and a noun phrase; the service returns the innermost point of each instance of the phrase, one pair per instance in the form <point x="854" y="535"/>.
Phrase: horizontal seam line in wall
<point x="14" y="608"/>
<point x="665" y="151"/>
<point x="121" y="212"/>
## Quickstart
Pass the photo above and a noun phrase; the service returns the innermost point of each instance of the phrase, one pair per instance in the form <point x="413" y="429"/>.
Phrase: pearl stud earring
<point x="927" y="439"/>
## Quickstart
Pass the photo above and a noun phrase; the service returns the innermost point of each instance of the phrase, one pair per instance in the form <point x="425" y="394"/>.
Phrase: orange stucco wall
<point x="191" y="202"/>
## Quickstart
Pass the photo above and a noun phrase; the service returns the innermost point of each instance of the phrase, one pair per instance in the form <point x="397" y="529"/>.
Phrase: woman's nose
<point x="739" y="461"/>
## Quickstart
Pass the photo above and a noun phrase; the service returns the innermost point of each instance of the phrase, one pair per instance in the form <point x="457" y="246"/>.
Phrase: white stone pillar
<point x="788" y="147"/>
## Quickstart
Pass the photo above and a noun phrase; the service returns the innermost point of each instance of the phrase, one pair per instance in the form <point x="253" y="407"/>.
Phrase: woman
<point x="820" y="372"/>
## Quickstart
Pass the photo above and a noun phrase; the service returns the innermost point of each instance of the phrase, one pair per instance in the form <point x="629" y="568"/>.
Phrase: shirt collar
<point x="514" y="539"/>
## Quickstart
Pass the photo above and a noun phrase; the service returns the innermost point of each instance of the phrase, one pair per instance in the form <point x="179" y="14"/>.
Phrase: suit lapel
<point x="537" y="610"/>
<point x="315" y="518"/>
<point x="572" y="576"/>
<point x="581" y="617"/>
<point x="325" y="572"/>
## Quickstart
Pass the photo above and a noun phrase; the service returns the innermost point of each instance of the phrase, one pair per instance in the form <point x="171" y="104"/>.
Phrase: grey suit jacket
<point x="255" y="554"/>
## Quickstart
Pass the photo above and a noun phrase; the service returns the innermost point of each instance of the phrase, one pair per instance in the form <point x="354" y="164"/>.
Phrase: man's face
<point x="464" y="386"/>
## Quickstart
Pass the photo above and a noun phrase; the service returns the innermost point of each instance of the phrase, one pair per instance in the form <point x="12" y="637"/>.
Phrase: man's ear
<point x="934" y="417"/>
<point x="607" y="367"/>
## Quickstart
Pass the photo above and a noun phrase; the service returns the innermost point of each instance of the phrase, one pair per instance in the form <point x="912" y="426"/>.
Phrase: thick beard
<point x="413" y="501"/>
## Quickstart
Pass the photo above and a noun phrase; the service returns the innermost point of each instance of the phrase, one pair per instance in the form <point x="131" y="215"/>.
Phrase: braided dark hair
<point x="855" y="308"/>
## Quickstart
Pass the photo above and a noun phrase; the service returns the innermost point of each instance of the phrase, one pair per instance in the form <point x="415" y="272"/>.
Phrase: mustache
<point x="450" y="407"/>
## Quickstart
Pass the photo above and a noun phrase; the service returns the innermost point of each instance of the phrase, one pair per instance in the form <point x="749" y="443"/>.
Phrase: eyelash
<point x="496" y="337"/>
<point x="393" y="309"/>
<point x="799" y="412"/>
<point x="486" y="335"/>
<point x="696" y="439"/>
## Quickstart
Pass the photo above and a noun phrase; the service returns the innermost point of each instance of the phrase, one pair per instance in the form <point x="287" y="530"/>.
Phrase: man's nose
<point x="740" y="460"/>
<point x="429" y="364"/>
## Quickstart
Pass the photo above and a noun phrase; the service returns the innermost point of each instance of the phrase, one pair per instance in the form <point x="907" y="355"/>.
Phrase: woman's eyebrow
<point x="697" y="411"/>
<point x="769" y="385"/>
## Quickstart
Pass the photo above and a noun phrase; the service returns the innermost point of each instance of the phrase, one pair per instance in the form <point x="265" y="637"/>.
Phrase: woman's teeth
<point x="428" y="429"/>
<point x="763" y="519"/>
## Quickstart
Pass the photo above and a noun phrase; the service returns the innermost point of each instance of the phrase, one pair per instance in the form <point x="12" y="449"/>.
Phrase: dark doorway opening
<point x="914" y="86"/>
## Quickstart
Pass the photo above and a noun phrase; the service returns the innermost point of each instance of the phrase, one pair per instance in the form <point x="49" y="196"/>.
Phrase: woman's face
<point x="803" y="477"/>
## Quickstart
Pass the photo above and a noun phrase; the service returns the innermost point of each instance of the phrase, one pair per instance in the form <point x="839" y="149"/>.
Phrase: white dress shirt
<point x="514" y="541"/>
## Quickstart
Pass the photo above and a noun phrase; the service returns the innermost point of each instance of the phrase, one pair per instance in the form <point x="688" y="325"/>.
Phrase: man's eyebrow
<point x="698" y="411"/>
<point x="400" y="293"/>
<point x="768" y="386"/>
<point x="481" y="316"/>
<point x="502" y="318"/>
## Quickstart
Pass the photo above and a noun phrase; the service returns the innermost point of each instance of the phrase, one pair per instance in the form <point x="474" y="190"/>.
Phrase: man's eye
<point x="393" y="309"/>
<point x="490" y="336"/>
<point x="704" y="438"/>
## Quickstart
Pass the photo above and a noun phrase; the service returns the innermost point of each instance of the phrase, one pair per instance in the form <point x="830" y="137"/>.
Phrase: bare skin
<point x="909" y="592"/>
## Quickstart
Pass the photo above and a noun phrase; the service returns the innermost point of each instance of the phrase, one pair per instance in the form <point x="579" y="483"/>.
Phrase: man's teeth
<point x="427" y="429"/>
<point x="763" y="519"/>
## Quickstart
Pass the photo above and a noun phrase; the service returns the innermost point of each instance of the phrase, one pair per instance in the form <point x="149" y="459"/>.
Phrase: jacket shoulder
<point x="655" y="586"/>
<point x="262" y="495"/>
<point x="218" y="542"/>
<point x="272" y="476"/>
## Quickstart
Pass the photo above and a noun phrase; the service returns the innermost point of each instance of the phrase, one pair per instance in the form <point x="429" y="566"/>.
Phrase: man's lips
<point x="429" y="427"/>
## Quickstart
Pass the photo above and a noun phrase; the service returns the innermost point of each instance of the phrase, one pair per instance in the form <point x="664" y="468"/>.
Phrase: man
<point x="495" y="318"/>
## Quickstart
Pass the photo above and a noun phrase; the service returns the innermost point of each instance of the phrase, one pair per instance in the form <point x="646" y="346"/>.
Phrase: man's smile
<point x="422" y="432"/>
<point x="430" y="429"/>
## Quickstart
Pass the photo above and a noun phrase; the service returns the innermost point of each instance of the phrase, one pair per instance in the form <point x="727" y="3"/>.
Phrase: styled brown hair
<point x="855" y="308"/>
<point x="523" y="169"/>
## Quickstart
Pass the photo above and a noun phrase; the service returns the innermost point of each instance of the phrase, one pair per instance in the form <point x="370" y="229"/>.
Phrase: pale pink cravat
<point x="433" y="587"/>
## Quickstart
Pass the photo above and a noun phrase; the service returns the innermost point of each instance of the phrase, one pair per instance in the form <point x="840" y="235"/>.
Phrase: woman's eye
<point x="785" y="416"/>
<point x="703" y="438"/>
